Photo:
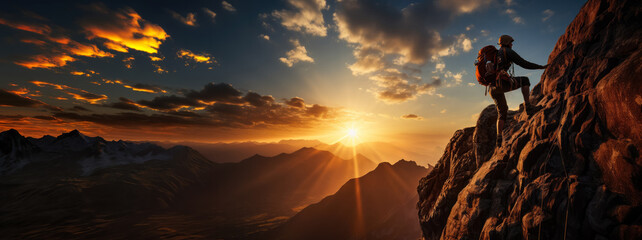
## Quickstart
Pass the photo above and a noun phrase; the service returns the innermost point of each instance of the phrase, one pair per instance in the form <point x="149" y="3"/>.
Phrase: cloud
<point x="227" y="6"/>
<point x="79" y="109"/>
<point x="442" y="111"/>
<point x="122" y="29"/>
<point x="513" y="16"/>
<point x="298" y="54"/>
<point x="412" y="116"/>
<point x="45" y="61"/>
<point x="138" y="87"/>
<point x="518" y="20"/>
<point x="210" y="13"/>
<point x="125" y="104"/>
<point x="217" y="92"/>
<point x="395" y="87"/>
<point x="257" y="100"/>
<point x="464" y="6"/>
<point x="547" y="14"/>
<point x="457" y="77"/>
<point x="199" y="58"/>
<point x="76" y="93"/>
<point x="57" y="49"/>
<point x="216" y="105"/>
<point x="172" y="102"/>
<point x="296" y="102"/>
<point x="368" y="60"/>
<point x="129" y="62"/>
<point x="264" y="36"/>
<point x="317" y="111"/>
<point x="189" y="20"/>
<point x="37" y="28"/>
<point x="303" y="16"/>
<point x="440" y="67"/>
<point x="88" y="97"/>
<point x="387" y="38"/>
<point x="410" y="32"/>
<point x="10" y="99"/>
<point x="156" y="58"/>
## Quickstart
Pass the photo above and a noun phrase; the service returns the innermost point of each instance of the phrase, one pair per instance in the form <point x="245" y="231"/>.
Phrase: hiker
<point x="505" y="57"/>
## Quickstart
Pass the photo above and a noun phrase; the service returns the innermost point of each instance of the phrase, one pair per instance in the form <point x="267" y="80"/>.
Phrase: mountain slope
<point x="280" y="184"/>
<point x="52" y="197"/>
<point x="235" y="152"/>
<point x="570" y="171"/>
<point x="75" y="186"/>
<point x="384" y="195"/>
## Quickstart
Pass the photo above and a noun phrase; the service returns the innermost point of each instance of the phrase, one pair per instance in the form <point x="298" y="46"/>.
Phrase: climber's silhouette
<point x="506" y="56"/>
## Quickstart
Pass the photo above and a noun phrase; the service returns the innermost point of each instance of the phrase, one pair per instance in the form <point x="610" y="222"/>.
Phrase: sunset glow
<point x="217" y="73"/>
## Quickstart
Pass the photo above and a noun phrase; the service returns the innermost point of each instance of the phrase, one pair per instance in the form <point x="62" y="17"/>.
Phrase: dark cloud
<point x="14" y="100"/>
<point x="125" y="104"/>
<point x="216" y="105"/>
<point x="79" y="109"/>
<point x="49" y="118"/>
<point x="171" y="102"/>
<point x="257" y="100"/>
<point x="317" y="111"/>
<point x="219" y="92"/>
<point x="296" y="102"/>
<point x="136" y="120"/>
<point x="411" y="32"/>
<point x="412" y="116"/>
<point x="389" y="41"/>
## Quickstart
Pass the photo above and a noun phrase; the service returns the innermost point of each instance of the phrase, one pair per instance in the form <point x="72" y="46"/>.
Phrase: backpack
<point x="486" y="65"/>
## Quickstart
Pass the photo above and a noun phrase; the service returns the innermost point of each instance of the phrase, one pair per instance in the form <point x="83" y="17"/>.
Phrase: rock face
<point x="570" y="171"/>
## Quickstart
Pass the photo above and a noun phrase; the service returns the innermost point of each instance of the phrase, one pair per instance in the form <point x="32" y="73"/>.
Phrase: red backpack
<point x="486" y="65"/>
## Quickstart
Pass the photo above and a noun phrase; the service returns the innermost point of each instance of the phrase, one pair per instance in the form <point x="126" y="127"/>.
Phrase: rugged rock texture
<point x="573" y="169"/>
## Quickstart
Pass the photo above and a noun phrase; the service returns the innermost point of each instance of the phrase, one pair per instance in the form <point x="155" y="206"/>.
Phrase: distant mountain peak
<point x="11" y="133"/>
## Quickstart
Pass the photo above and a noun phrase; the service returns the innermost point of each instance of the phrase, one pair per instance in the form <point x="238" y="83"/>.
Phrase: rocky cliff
<point x="572" y="170"/>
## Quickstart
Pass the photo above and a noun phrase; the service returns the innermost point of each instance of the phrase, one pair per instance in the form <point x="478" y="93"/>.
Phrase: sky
<point x="229" y="71"/>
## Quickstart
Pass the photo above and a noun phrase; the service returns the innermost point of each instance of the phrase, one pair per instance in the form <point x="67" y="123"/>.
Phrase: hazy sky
<point x="399" y="71"/>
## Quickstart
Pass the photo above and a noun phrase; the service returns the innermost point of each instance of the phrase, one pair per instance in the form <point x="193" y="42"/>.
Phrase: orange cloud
<point x="199" y="58"/>
<point x="76" y="93"/>
<point x="59" y="53"/>
<point x="86" y="50"/>
<point x="189" y="20"/>
<point x="123" y="29"/>
<point x="33" y="41"/>
<point x="155" y="58"/>
<point x="44" y="61"/>
<point x="139" y="87"/>
<point x="88" y="97"/>
<point x="34" y="28"/>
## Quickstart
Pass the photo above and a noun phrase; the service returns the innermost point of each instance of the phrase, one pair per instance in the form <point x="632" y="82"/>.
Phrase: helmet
<point x="505" y="40"/>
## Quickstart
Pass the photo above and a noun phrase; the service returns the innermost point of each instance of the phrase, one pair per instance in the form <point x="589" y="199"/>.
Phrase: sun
<point x="352" y="132"/>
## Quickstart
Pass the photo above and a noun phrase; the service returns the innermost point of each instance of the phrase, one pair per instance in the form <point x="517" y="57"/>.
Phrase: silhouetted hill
<point x="374" y="206"/>
<point x="570" y="171"/>
<point x="235" y="152"/>
<point x="375" y="151"/>
<point x="75" y="186"/>
<point x="280" y="185"/>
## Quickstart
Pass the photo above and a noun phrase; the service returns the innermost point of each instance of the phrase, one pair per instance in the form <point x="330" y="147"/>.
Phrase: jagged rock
<point x="572" y="170"/>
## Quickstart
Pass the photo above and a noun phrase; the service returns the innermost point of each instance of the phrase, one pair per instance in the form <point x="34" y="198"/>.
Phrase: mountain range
<point x="76" y="186"/>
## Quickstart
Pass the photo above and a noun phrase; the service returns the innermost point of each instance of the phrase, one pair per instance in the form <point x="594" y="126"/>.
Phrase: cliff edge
<point x="570" y="171"/>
